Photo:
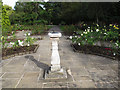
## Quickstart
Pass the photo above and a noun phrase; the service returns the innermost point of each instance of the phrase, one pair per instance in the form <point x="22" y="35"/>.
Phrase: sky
<point x="11" y="2"/>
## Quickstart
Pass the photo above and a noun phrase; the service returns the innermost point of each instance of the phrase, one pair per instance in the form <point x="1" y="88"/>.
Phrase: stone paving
<point x="84" y="70"/>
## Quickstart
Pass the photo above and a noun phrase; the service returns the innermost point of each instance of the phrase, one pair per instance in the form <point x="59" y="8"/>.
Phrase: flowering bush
<point x="69" y="29"/>
<point x="29" y="40"/>
<point x="4" y="41"/>
<point x="94" y="33"/>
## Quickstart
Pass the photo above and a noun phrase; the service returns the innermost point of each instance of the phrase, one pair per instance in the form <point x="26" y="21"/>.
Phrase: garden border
<point x="75" y="50"/>
<point x="17" y="54"/>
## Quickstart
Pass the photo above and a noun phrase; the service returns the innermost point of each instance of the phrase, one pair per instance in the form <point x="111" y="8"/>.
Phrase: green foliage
<point x="9" y="10"/>
<point x="71" y="12"/>
<point x="5" y="18"/>
<point x="16" y="44"/>
<point x="29" y="40"/>
<point x="13" y="36"/>
<point x="35" y="29"/>
<point x="4" y="41"/>
<point x="68" y="29"/>
<point x="94" y="33"/>
<point x="29" y="13"/>
<point x="6" y="28"/>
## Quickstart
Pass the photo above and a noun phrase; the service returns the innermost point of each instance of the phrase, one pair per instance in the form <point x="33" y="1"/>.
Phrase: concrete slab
<point x="87" y="71"/>
<point x="12" y="75"/>
<point x="27" y="83"/>
<point x="9" y="83"/>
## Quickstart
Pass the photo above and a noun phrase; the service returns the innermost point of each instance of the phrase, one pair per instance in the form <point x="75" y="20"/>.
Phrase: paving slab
<point x="12" y="69"/>
<point x="27" y="83"/>
<point x="12" y="75"/>
<point x="79" y="78"/>
<point x="9" y="83"/>
<point x="31" y="75"/>
<point x="79" y="71"/>
<point x="86" y="70"/>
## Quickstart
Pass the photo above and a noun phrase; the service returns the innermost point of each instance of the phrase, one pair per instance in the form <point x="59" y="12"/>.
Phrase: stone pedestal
<point x="57" y="75"/>
<point x="55" y="58"/>
<point x="56" y="71"/>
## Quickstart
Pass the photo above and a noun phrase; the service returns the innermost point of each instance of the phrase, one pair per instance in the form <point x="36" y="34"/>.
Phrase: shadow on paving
<point x="38" y="63"/>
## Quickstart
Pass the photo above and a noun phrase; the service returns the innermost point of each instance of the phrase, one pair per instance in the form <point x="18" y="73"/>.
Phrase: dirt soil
<point x="99" y="50"/>
<point x="17" y="50"/>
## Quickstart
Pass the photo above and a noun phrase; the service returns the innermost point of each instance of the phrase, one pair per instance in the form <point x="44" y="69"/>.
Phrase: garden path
<point x="87" y="71"/>
<point x="20" y="34"/>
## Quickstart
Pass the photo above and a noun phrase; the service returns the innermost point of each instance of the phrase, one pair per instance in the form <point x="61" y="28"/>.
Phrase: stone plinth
<point x="57" y="75"/>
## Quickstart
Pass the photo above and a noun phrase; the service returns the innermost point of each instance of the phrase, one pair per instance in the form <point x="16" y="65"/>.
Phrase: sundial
<point x="56" y="70"/>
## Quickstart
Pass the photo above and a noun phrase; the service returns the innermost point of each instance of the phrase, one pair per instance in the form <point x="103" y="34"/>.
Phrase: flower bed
<point x="18" y="46"/>
<point x="9" y="52"/>
<point x="13" y="40"/>
<point x="97" y="39"/>
<point x="35" y="29"/>
<point x="97" y="50"/>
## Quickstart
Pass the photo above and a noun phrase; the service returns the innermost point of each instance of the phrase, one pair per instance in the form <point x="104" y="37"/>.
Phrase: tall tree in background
<point x="29" y="13"/>
<point x="5" y="18"/>
<point x="5" y="21"/>
<point x="65" y="12"/>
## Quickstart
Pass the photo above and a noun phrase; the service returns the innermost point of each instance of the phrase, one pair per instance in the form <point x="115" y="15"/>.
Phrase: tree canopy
<point x="65" y="12"/>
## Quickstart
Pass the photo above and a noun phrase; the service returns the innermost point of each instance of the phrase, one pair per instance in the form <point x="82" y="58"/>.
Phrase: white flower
<point x="12" y="32"/>
<point x="29" y="34"/>
<point x="91" y="30"/>
<point x="85" y="32"/>
<point x="12" y="43"/>
<point x="20" y="43"/>
<point x="88" y="30"/>
<point x="81" y="34"/>
<point x="79" y="44"/>
<point x="97" y="24"/>
<point x="114" y="54"/>
<point x="28" y="44"/>
<point x="88" y="27"/>
<point x="25" y="34"/>
<point x="97" y="30"/>
<point x="116" y="44"/>
<point x="9" y="36"/>
<point x="83" y="24"/>
<point x="70" y="37"/>
<point x="18" y="40"/>
<point x="105" y="33"/>
<point x="75" y="36"/>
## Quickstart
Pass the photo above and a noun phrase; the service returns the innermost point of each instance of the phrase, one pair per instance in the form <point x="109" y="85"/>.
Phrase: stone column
<point x="55" y="58"/>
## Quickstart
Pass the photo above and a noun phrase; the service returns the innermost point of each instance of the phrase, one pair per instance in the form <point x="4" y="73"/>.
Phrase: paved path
<point x="87" y="71"/>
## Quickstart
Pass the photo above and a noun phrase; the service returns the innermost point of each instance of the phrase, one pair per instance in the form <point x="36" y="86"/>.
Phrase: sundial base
<point x="57" y="75"/>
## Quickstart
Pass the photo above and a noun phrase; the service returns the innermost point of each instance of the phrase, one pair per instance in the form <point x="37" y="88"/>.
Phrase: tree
<point x="8" y="9"/>
<point x="5" y="17"/>
<point x="5" y="22"/>
<point x="30" y="13"/>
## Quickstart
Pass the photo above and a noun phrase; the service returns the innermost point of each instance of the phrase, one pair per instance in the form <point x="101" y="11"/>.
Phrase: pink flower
<point x="107" y="48"/>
